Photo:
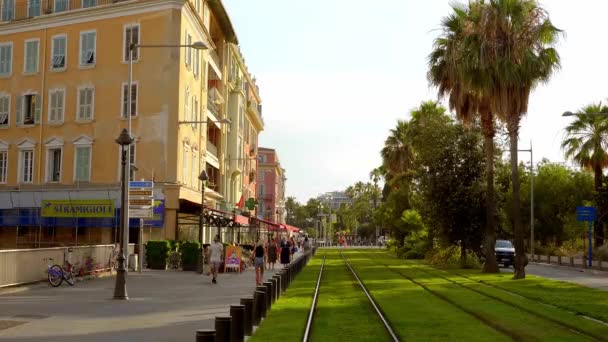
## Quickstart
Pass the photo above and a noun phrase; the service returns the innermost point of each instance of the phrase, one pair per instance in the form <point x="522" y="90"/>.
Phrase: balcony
<point x="20" y="9"/>
<point x="211" y="148"/>
<point x="211" y="104"/>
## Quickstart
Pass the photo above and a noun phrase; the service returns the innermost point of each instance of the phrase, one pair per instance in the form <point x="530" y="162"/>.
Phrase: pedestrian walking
<point x="306" y="245"/>
<point x="271" y="251"/>
<point x="292" y="248"/>
<point x="285" y="252"/>
<point x="259" y="262"/>
<point x="215" y="258"/>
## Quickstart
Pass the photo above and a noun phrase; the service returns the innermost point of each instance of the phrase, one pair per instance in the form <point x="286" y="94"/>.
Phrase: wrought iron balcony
<point x="13" y="10"/>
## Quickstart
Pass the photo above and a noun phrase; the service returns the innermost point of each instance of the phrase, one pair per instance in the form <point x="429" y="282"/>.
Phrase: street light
<point x="120" y="288"/>
<point x="203" y="178"/>
<point x="569" y="113"/>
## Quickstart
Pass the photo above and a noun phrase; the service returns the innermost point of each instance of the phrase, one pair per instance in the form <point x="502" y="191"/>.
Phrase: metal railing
<point x="27" y="9"/>
<point x="211" y="148"/>
<point x="211" y="105"/>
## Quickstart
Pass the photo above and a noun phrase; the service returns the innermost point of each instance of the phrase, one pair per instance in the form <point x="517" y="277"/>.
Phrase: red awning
<point x="241" y="219"/>
<point x="290" y="228"/>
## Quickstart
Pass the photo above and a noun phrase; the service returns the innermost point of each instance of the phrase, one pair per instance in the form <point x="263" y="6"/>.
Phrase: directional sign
<point x="142" y="185"/>
<point x="141" y="213"/>
<point x="140" y="193"/>
<point x="141" y="202"/>
<point x="586" y="213"/>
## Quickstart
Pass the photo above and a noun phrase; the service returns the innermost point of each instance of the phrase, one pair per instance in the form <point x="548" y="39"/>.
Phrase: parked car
<point x="505" y="252"/>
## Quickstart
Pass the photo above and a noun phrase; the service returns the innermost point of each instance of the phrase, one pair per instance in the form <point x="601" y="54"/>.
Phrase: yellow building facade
<point x="63" y="102"/>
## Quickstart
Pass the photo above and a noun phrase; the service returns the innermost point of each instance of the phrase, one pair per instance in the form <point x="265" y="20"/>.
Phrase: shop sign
<point x="77" y="208"/>
<point x="158" y="212"/>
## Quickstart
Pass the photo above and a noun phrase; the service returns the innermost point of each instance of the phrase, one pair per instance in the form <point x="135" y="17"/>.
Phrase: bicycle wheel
<point x="55" y="275"/>
<point x="69" y="277"/>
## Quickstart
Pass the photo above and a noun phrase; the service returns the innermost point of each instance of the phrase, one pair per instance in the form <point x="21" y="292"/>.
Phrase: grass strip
<point x="597" y="330"/>
<point x="572" y="297"/>
<point x="414" y="313"/>
<point x="521" y="324"/>
<point x="286" y="320"/>
<point x="343" y="311"/>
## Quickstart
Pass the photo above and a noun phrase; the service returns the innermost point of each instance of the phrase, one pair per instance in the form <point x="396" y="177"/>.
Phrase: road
<point x="590" y="278"/>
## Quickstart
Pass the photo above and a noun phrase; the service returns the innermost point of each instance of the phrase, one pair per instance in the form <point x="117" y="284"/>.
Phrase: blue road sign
<point x="586" y="213"/>
<point x="142" y="184"/>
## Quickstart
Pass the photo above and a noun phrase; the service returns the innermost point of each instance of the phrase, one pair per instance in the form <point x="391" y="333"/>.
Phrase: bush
<point x="450" y="257"/>
<point x="190" y="251"/>
<point x="601" y="253"/>
<point x="158" y="252"/>
<point x="174" y="245"/>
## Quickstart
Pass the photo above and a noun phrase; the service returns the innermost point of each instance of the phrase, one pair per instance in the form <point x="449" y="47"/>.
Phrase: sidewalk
<point x="163" y="306"/>
<point x="586" y="277"/>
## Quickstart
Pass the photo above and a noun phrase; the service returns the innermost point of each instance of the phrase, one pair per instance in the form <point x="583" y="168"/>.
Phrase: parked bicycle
<point x="57" y="274"/>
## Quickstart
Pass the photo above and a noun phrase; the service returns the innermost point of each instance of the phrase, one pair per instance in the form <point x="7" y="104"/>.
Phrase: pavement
<point x="586" y="277"/>
<point x="163" y="306"/>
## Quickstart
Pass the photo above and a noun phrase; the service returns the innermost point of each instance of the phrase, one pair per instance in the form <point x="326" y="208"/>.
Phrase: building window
<point x="196" y="62"/>
<point x="26" y="166"/>
<point x="125" y="99"/>
<point x="6" y="59"/>
<point x="194" y="112"/>
<point x="188" y="49"/>
<point x="260" y="176"/>
<point x="8" y="10"/>
<point x="3" y="166"/>
<point x="132" y="159"/>
<point x="5" y="110"/>
<point x="30" y="64"/>
<point x="86" y="100"/>
<point x="193" y="173"/>
<point x="28" y="109"/>
<point x="62" y="5"/>
<point x="185" y="172"/>
<point x="58" y="52"/>
<point x="82" y="164"/>
<point x="53" y="162"/>
<point x="131" y="36"/>
<point x="87" y="48"/>
<point x="33" y="8"/>
<point x="89" y="3"/>
<point x="56" y="105"/>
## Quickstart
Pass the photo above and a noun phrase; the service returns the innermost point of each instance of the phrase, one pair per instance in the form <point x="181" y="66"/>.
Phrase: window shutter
<point x="19" y="110"/>
<point x="37" y="109"/>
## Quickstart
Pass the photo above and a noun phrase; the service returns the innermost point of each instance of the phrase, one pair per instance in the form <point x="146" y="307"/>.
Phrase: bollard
<point x="262" y="304"/>
<point x="205" y="336"/>
<point x="269" y="290"/>
<point x="274" y="289"/>
<point x="237" y="312"/>
<point x="277" y="277"/>
<point x="572" y="261"/>
<point x="223" y="328"/>
<point x="283" y="280"/>
<point x="248" y="320"/>
<point x="258" y="297"/>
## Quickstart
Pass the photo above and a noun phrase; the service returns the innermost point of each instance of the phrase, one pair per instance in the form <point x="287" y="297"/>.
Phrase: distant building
<point x="271" y="186"/>
<point x="336" y="198"/>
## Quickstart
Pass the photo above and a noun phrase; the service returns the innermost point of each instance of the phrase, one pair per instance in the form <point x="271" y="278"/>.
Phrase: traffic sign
<point x="586" y="213"/>
<point x="141" y="213"/>
<point x="141" y="184"/>
<point x="140" y="193"/>
<point x="141" y="202"/>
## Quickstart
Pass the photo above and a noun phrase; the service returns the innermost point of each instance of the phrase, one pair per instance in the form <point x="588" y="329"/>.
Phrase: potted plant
<point x="190" y="251"/>
<point x="158" y="253"/>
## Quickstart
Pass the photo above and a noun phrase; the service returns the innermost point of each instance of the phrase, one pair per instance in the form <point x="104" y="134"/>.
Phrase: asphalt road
<point x="590" y="278"/>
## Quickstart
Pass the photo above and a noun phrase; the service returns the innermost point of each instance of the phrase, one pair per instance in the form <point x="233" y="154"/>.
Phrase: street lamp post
<point x="203" y="178"/>
<point x="120" y="289"/>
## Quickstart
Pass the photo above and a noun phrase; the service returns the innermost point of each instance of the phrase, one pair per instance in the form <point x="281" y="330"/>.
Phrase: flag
<point x="241" y="203"/>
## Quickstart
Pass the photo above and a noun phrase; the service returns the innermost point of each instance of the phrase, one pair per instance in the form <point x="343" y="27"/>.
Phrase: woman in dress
<point x="271" y="251"/>
<point x="285" y="252"/>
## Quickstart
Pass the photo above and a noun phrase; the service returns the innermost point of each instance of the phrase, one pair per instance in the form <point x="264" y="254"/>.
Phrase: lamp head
<point x="124" y="138"/>
<point x="568" y="113"/>
<point x="225" y="121"/>
<point x="199" y="46"/>
<point x="203" y="176"/>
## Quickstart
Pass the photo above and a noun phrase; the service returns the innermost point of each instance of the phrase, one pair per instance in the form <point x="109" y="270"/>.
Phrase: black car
<point x="505" y="252"/>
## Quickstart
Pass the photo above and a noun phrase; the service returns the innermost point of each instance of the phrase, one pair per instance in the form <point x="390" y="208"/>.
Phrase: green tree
<point x="585" y="142"/>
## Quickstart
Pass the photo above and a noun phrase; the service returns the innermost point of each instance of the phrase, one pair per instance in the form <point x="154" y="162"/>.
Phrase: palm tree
<point x="585" y="142"/>
<point x="517" y="48"/>
<point x="397" y="153"/>
<point x="465" y="86"/>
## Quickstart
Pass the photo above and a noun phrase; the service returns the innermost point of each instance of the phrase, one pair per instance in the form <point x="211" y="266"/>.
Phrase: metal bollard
<point x="274" y="289"/>
<point x="258" y="297"/>
<point x="205" y="336"/>
<point x="277" y="277"/>
<point x="268" y="294"/>
<point x="237" y="312"/>
<point x="248" y="319"/>
<point x="283" y="281"/>
<point x="223" y="328"/>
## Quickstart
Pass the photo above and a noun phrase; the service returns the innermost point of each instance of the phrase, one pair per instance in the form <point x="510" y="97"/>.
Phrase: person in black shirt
<point x="259" y="254"/>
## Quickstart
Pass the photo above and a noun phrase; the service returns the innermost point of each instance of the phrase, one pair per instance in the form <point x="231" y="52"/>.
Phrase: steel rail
<point x="314" y="305"/>
<point x="371" y="300"/>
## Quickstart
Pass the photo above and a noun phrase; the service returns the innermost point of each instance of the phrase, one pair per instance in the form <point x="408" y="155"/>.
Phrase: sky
<point x="336" y="75"/>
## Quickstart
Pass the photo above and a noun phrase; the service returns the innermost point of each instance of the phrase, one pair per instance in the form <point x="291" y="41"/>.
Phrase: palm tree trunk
<point x="518" y="231"/>
<point x="599" y="223"/>
<point x="490" y="265"/>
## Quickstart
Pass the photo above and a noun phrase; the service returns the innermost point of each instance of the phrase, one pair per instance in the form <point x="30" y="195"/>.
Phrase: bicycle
<point x="57" y="274"/>
<point x="175" y="260"/>
<point x="112" y="263"/>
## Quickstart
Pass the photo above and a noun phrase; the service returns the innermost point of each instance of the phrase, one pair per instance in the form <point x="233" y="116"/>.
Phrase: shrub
<point x="157" y="254"/>
<point x="601" y="253"/>
<point x="450" y="257"/>
<point x="190" y="252"/>
<point x="174" y="245"/>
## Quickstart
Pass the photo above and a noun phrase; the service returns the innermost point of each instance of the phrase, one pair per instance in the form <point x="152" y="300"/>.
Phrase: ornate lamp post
<point x="203" y="178"/>
<point x="120" y="289"/>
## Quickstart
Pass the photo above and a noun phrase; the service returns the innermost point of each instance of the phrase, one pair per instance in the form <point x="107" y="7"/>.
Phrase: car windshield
<point x="503" y="244"/>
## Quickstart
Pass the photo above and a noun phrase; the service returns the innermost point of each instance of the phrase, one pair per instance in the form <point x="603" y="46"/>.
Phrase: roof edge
<point x="222" y="15"/>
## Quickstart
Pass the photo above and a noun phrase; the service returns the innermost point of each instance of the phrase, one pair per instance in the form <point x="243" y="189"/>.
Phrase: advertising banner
<point x="233" y="258"/>
<point x="78" y="208"/>
<point x="158" y="219"/>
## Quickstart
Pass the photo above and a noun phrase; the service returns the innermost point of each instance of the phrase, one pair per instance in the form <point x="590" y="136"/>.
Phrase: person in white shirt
<point x="215" y="257"/>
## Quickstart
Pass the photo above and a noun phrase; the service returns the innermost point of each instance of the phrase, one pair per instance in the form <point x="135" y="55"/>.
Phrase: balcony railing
<point x="211" y="148"/>
<point x="25" y="9"/>
<point x="211" y="105"/>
